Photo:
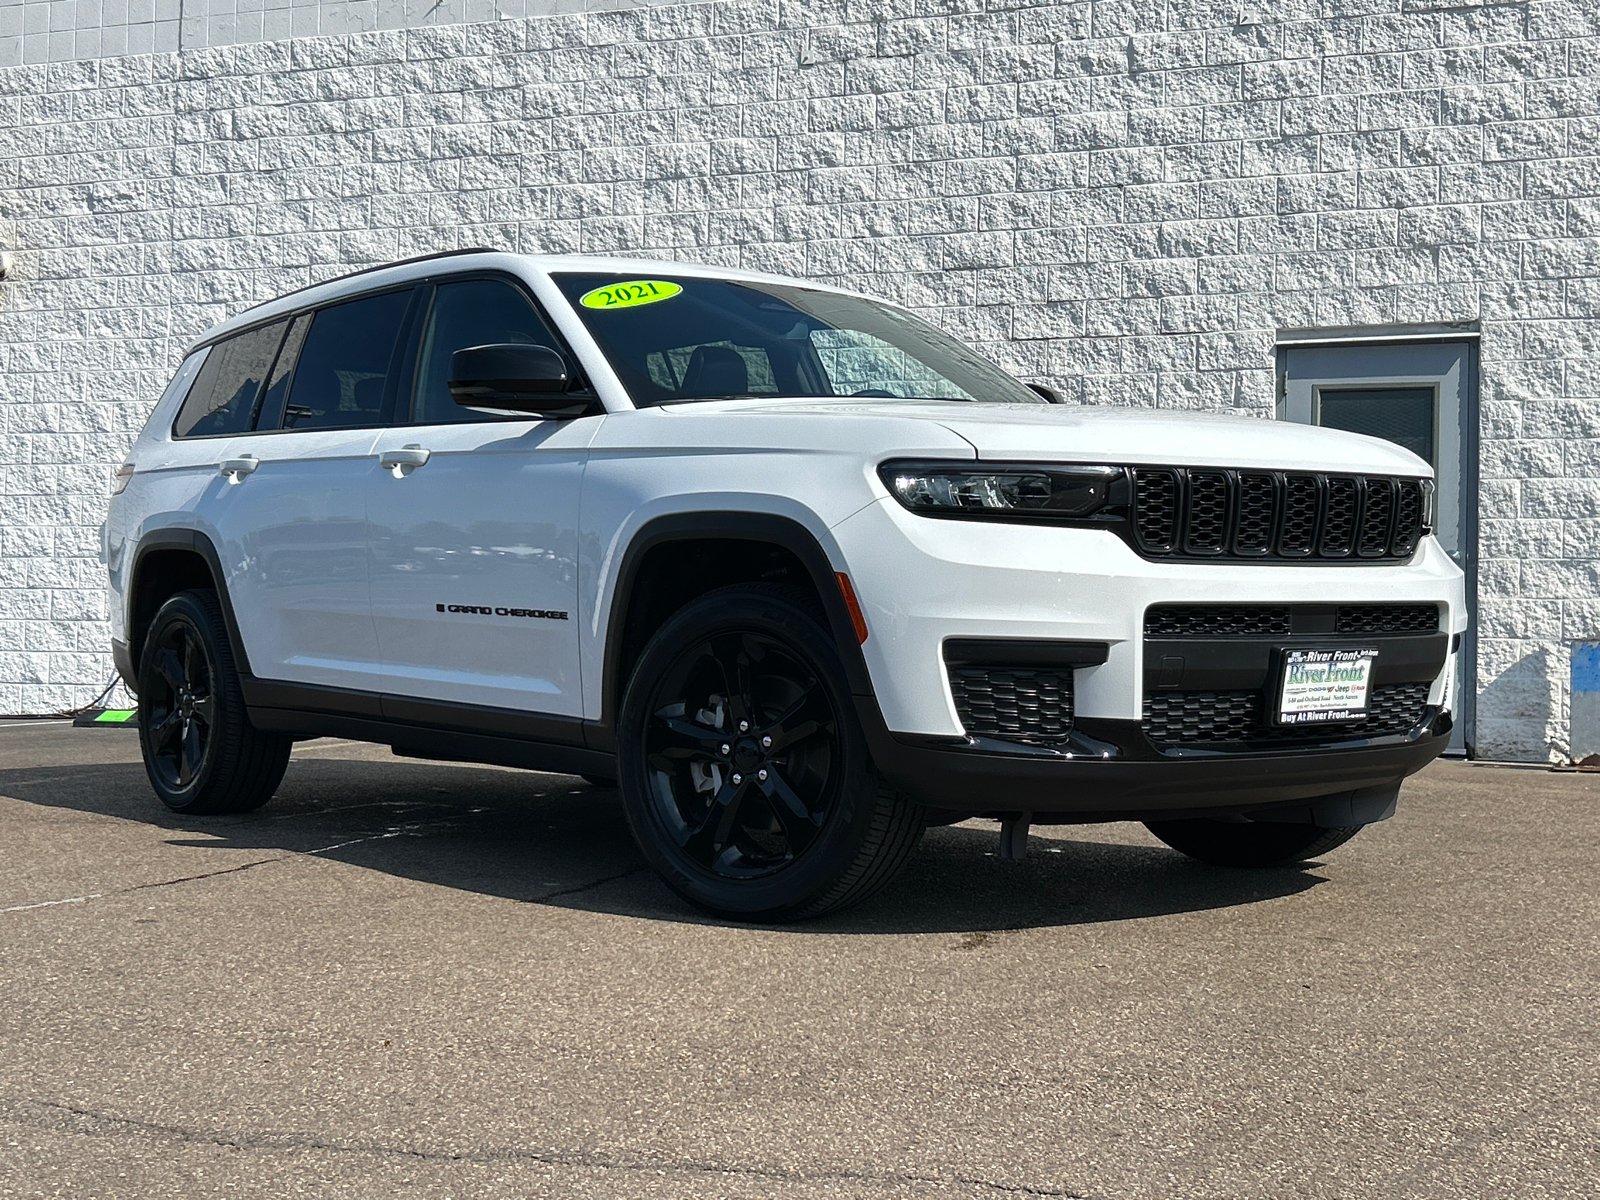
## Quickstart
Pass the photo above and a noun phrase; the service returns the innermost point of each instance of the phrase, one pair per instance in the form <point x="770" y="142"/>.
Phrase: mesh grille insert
<point x="1387" y="618"/>
<point x="1018" y="704"/>
<point x="1217" y="620"/>
<point x="1206" y="718"/>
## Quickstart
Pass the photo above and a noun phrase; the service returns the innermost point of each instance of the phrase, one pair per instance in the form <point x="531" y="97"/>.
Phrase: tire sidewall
<point x="790" y="889"/>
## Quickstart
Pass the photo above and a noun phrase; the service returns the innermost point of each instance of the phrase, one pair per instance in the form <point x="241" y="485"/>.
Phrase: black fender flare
<point x="772" y="528"/>
<point x="199" y="544"/>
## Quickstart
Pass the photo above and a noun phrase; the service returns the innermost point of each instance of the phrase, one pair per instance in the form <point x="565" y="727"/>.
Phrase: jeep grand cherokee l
<point x="802" y="573"/>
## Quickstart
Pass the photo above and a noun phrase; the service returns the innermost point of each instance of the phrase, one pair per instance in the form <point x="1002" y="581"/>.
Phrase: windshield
<point x="671" y="339"/>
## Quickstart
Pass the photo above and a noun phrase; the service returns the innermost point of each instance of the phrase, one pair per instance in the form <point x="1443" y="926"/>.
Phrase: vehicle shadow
<point x="554" y="840"/>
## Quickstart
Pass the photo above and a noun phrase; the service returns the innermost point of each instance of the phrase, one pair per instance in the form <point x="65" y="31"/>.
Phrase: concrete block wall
<point x="1123" y="198"/>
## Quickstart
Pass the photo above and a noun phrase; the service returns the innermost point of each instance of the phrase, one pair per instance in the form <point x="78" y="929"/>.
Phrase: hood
<point x="1078" y="433"/>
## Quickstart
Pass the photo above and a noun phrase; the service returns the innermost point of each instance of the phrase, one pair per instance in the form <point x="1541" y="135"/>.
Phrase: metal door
<point x="1420" y="395"/>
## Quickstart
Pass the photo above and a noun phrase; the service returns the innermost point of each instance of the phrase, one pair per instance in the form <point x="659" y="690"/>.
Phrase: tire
<point x="809" y="828"/>
<point x="201" y="752"/>
<point x="1248" y="843"/>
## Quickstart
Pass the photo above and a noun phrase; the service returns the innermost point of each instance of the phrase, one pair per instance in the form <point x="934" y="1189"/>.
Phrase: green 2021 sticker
<point x="627" y="295"/>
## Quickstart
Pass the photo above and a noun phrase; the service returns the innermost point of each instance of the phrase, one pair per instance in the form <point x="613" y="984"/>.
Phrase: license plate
<point x="1325" y="686"/>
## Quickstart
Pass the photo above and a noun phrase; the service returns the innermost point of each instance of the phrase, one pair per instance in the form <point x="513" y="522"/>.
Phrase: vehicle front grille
<point x="1172" y="621"/>
<point x="1191" y="512"/>
<point x="1017" y="704"/>
<point x="1387" y="618"/>
<point x="1208" y="718"/>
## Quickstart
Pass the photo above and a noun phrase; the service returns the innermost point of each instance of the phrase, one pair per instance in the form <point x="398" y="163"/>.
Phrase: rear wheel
<point x="201" y="752"/>
<point x="1250" y="843"/>
<point x="744" y="772"/>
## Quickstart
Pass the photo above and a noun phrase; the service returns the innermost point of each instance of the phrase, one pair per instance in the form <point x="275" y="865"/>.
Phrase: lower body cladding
<point x="1212" y="740"/>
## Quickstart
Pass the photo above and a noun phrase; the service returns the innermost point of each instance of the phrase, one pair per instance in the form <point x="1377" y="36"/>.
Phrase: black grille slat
<point x="1261" y="515"/>
<point x="1377" y="515"/>
<point x="1339" y="519"/>
<point x="1209" y="718"/>
<point x="1407" y="517"/>
<point x="1017" y="704"/>
<point x="1156" y="510"/>
<point x="1258" y="509"/>
<point x="1387" y="618"/>
<point x="1302" y="497"/>
<point x="1217" y="620"/>
<point x="1206" y="530"/>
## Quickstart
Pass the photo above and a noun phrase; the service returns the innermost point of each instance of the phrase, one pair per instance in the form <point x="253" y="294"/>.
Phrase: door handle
<point x="404" y="460"/>
<point x="235" y="469"/>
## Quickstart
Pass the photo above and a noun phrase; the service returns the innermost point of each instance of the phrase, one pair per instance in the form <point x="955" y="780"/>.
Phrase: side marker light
<point x="852" y="605"/>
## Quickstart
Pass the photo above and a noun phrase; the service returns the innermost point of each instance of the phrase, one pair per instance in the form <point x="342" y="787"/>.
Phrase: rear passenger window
<point x="342" y="374"/>
<point x="223" y="398"/>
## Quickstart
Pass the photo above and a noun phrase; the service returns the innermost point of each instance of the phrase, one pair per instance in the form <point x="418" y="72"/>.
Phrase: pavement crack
<point x="86" y="1122"/>
<point x="142" y="887"/>
<point x="589" y="887"/>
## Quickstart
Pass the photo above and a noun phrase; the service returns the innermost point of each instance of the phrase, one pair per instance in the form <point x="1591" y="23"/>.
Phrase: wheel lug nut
<point x="766" y="743"/>
<point x="744" y="726"/>
<point x="726" y="748"/>
<point x="738" y="778"/>
<point x="762" y="775"/>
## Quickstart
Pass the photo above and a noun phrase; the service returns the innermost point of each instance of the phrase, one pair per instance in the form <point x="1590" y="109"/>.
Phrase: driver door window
<point x="471" y="312"/>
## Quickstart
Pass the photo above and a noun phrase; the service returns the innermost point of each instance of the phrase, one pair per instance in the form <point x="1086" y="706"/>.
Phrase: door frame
<point x="1469" y="335"/>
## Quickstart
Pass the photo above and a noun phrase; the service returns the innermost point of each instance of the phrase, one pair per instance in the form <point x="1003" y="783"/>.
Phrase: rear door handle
<point x="404" y="460"/>
<point x="235" y="469"/>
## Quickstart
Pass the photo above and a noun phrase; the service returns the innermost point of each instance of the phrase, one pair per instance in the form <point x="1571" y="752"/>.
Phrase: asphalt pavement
<point x="418" y="979"/>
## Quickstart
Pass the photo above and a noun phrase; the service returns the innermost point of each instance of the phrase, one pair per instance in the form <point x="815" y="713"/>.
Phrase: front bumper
<point x="1111" y="772"/>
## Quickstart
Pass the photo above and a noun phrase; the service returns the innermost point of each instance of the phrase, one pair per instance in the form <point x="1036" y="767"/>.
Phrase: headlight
<point x="940" y="489"/>
<point x="1429" y="505"/>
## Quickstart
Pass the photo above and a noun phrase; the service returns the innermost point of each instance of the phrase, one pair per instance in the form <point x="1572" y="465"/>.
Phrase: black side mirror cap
<point x="1049" y="393"/>
<point x="517" y="376"/>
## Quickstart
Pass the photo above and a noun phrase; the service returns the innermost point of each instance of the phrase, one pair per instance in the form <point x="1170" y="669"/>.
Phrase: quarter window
<point x="342" y="374"/>
<point x="223" y="398"/>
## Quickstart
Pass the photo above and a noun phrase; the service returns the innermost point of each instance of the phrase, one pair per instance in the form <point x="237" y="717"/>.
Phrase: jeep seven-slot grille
<point x="1209" y="513"/>
<point x="1277" y="620"/>
<point x="1018" y="704"/>
<point x="1207" y="718"/>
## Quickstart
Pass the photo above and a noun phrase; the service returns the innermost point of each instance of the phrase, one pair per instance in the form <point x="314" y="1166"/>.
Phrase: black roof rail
<point x="404" y="262"/>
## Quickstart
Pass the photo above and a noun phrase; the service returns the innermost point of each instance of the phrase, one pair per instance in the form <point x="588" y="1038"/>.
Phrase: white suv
<point x="800" y="572"/>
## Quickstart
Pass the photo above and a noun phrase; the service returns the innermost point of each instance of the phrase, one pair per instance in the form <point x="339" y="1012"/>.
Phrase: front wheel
<point x="745" y="775"/>
<point x="201" y="752"/>
<point x="1250" y="843"/>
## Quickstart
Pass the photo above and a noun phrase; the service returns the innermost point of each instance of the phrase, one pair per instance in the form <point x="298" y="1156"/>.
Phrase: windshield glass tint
<point x="699" y="339"/>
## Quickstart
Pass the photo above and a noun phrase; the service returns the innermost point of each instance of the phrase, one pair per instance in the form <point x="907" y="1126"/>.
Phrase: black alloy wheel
<point x="183" y="711"/>
<point x="742" y="748"/>
<point x="744" y="772"/>
<point x="200" y="751"/>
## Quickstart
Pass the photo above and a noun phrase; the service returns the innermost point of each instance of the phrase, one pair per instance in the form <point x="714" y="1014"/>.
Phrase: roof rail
<point x="404" y="262"/>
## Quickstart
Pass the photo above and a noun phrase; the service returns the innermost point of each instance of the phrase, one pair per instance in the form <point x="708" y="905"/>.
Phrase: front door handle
<point x="404" y="460"/>
<point x="235" y="469"/>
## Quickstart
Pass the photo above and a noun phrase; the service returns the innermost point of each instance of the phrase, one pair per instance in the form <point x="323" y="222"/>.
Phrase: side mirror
<point x="516" y="376"/>
<point x="1049" y="393"/>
